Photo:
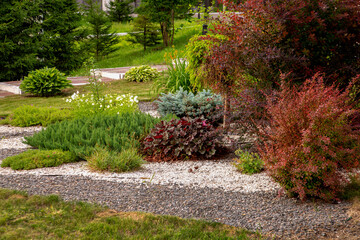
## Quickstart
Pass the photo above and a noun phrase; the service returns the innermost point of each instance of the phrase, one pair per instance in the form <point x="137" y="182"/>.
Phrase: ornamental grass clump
<point x="311" y="142"/>
<point x="81" y="135"/>
<point x="181" y="139"/>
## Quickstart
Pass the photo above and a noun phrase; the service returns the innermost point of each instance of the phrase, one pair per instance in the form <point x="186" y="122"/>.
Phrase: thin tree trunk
<point x="165" y="34"/>
<point x="173" y="26"/>
<point x="226" y="110"/>
<point x="145" y="38"/>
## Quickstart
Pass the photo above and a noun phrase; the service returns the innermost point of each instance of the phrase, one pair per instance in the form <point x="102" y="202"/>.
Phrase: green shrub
<point x="104" y="160"/>
<point x="181" y="139"/>
<point x="141" y="74"/>
<point x="248" y="163"/>
<point x="38" y="159"/>
<point x="45" y="82"/>
<point x="27" y="115"/>
<point x="185" y="104"/>
<point x="81" y="135"/>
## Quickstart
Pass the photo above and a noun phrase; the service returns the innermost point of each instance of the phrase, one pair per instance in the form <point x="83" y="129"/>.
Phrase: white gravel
<point x="211" y="174"/>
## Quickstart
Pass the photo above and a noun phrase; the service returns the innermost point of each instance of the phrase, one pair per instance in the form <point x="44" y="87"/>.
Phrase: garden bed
<point x="211" y="190"/>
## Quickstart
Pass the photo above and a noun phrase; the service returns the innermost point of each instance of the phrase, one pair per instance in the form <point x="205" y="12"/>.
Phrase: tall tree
<point x="164" y="12"/>
<point x="145" y="32"/>
<point x="101" y="39"/>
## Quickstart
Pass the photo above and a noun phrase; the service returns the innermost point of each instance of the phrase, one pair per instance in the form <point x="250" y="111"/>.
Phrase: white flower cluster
<point x="108" y="103"/>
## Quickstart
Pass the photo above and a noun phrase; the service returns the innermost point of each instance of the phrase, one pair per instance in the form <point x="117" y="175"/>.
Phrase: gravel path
<point x="210" y="190"/>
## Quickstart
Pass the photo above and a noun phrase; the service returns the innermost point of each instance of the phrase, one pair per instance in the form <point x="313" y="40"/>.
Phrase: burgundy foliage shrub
<point x="261" y="37"/>
<point x="312" y="140"/>
<point x="181" y="139"/>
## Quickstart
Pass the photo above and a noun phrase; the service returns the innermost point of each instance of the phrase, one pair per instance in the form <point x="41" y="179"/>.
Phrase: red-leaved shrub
<point x="180" y="139"/>
<point x="311" y="141"/>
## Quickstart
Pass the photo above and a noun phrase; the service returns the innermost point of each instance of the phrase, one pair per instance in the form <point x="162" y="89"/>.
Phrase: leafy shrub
<point x="45" y="82"/>
<point x="311" y="139"/>
<point x="82" y="135"/>
<point x="179" y="139"/>
<point x="27" y="115"/>
<point x="185" y="104"/>
<point x="141" y="74"/>
<point x="104" y="160"/>
<point x="301" y="37"/>
<point x="248" y="163"/>
<point x="109" y="104"/>
<point x="38" y="159"/>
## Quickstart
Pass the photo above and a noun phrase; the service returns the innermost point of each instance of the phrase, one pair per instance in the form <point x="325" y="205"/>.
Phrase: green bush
<point x="27" y="115"/>
<point x="82" y="135"/>
<point x="45" y="82"/>
<point x="38" y="159"/>
<point x="104" y="160"/>
<point x="185" y="104"/>
<point x="248" y="163"/>
<point x="141" y="74"/>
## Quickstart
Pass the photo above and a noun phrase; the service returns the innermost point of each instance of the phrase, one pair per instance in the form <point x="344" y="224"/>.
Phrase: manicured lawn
<point x="39" y="217"/>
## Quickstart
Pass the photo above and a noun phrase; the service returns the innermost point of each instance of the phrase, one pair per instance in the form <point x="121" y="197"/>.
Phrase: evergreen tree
<point x="145" y="32"/>
<point x="101" y="39"/>
<point x="119" y="10"/>
<point x="19" y="25"/>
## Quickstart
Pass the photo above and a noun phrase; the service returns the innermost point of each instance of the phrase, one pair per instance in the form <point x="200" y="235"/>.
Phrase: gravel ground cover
<point x="211" y="190"/>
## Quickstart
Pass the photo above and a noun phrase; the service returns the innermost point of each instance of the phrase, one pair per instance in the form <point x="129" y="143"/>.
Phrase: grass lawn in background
<point x="40" y="217"/>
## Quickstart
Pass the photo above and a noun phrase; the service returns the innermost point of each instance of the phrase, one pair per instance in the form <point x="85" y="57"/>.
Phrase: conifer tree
<point x="102" y="40"/>
<point x="145" y="32"/>
<point x="119" y="10"/>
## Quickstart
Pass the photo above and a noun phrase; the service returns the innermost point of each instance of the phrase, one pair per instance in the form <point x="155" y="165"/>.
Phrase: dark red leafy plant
<point x="312" y="141"/>
<point x="181" y="139"/>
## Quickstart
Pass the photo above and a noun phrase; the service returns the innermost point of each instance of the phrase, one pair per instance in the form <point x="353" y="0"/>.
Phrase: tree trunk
<point x="173" y="26"/>
<point x="226" y="110"/>
<point x="165" y="34"/>
<point x="145" y="38"/>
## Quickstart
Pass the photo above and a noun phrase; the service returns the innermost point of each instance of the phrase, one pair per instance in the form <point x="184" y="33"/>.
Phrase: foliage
<point x="144" y="32"/>
<point x="297" y="37"/>
<point x="248" y="163"/>
<point x="104" y="160"/>
<point x="25" y="216"/>
<point x="101" y="40"/>
<point x="164" y="12"/>
<point x="119" y="10"/>
<point x="82" y="135"/>
<point x="176" y="76"/>
<point x="38" y="159"/>
<point x="186" y="104"/>
<point x="45" y="82"/>
<point x="180" y="139"/>
<point x="27" y="115"/>
<point x="311" y="139"/>
<point x="142" y="73"/>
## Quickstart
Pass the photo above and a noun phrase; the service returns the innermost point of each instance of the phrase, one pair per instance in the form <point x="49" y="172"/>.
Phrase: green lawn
<point x="39" y="217"/>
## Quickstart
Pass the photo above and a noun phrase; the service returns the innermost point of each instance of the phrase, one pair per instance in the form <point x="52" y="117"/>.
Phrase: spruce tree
<point x="145" y="32"/>
<point x="119" y="10"/>
<point x="101" y="39"/>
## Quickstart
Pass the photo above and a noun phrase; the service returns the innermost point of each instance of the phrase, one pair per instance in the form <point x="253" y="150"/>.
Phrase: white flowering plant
<point x="97" y="102"/>
<point x="88" y="104"/>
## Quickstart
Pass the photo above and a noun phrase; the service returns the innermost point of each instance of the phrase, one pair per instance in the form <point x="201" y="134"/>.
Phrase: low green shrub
<point x="104" y="160"/>
<point x="248" y="163"/>
<point x="81" y="135"/>
<point x="45" y="82"/>
<point x="27" y="115"/>
<point x="186" y="104"/>
<point x="141" y="74"/>
<point x="181" y="139"/>
<point x="38" y="159"/>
